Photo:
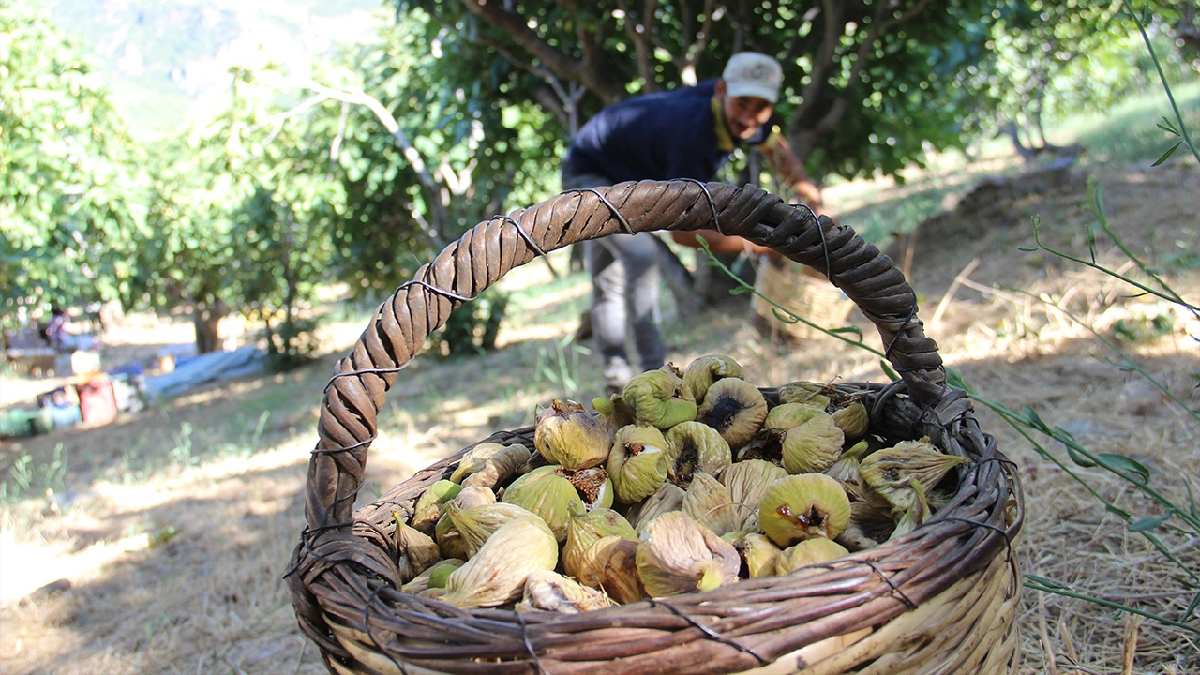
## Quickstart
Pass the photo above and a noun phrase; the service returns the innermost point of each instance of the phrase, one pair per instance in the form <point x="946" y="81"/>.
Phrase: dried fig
<point x="735" y="408"/>
<point x="679" y="555"/>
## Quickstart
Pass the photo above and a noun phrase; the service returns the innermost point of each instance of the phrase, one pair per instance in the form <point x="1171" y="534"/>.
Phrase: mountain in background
<point x="167" y="61"/>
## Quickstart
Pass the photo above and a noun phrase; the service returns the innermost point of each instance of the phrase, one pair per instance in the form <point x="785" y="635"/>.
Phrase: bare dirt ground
<point x="173" y="528"/>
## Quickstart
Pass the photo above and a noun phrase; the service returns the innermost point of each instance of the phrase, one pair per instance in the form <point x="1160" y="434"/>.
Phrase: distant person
<point x="60" y="339"/>
<point x="685" y="133"/>
<point x="56" y="330"/>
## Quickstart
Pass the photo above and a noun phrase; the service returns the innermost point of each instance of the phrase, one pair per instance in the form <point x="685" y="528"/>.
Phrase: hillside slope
<point x="165" y="61"/>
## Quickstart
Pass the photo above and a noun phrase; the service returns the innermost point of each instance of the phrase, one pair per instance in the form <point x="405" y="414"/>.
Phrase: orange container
<point x="97" y="403"/>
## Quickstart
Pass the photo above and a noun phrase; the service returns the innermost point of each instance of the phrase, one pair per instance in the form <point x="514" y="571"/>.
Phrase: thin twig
<point x="1098" y="205"/>
<point x="300" y="659"/>
<point x="1045" y="585"/>
<point x="1130" y="646"/>
<point x="944" y="303"/>
<point x="1125" y="361"/>
<point x="1037" y="238"/>
<point x="1187" y="138"/>
<point x="336" y="145"/>
<point x="1047" y="647"/>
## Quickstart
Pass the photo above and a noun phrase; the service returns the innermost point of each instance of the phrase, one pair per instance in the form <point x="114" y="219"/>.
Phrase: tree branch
<point x="433" y="192"/>
<point x="560" y="64"/>
<point x="546" y="98"/>
<point x="878" y="25"/>
<point x="336" y="145"/>
<point x="691" y="54"/>
<point x="802" y="44"/>
<point x="804" y="139"/>
<point x="566" y="108"/>
<point x="831" y="32"/>
<point x="641" y="34"/>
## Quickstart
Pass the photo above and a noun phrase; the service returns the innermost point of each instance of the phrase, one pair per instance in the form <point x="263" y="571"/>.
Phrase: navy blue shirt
<point x="659" y="136"/>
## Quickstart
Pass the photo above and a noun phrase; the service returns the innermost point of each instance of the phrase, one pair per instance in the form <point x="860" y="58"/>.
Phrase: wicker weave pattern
<point x="343" y="575"/>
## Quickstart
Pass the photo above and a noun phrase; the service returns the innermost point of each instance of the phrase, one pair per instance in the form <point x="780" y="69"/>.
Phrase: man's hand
<point x="717" y="242"/>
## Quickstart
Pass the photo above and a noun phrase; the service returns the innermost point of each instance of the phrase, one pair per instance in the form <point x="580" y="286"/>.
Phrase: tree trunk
<point x="289" y="280"/>
<point x="1024" y="152"/>
<point x="206" y="320"/>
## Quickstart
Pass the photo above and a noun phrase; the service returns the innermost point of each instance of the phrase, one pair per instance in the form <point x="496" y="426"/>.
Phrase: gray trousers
<point x="624" y="271"/>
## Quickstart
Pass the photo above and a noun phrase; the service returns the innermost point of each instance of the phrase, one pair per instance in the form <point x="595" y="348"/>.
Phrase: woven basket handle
<point x="494" y="246"/>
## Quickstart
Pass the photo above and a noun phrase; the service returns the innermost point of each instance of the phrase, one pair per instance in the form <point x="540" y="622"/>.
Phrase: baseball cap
<point x="753" y="74"/>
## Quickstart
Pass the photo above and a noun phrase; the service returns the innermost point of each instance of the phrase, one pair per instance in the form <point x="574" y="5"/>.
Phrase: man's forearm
<point x="807" y="191"/>
<point x="790" y="169"/>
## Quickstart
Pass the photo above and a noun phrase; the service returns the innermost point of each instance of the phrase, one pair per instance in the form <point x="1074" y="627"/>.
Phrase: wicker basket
<point x="940" y="599"/>
<point x="808" y="295"/>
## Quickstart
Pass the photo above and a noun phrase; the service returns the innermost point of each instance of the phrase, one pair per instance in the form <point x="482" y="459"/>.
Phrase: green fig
<point x="474" y="525"/>
<point x="808" y="552"/>
<point x="701" y="373"/>
<point x="852" y="420"/>
<point x="615" y="411"/>
<point x="497" y="573"/>
<point x="813" y="446"/>
<point x="417" y="551"/>
<point x="845" y="469"/>
<point x="490" y="464"/>
<point x="890" y="470"/>
<point x="708" y="501"/>
<point x="695" y="447"/>
<point x="638" y="462"/>
<point x="787" y="415"/>
<point x="757" y="551"/>
<point x="802" y="507"/>
<point x="470" y="496"/>
<point x="915" y="511"/>
<point x="427" y="509"/>
<point x="657" y="398"/>
<point x="748" y="482"/>
<point x="548" y="495"/>
<point x="611" y="566"/>
<point x="440" y="573"/>
<point x="434" y="577"/>
<point x="584" y="531"/>
<point x="567" y="435"/>
<point x="809" y="393"/>
<point x="667" y="498"/>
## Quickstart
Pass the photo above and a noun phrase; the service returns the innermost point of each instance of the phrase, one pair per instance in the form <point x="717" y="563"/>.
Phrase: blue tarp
<point x="203" y="369"/>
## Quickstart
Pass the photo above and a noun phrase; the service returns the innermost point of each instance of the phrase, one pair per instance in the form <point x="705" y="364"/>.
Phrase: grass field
<point x="1127" y="133"/>
<point x="173" y="528"/>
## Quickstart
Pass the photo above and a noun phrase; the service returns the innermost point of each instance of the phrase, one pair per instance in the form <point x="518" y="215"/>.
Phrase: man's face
<point x="745" y="115"/>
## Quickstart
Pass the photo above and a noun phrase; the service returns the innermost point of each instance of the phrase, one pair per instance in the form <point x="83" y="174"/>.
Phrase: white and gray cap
<point x="753" y="74"/>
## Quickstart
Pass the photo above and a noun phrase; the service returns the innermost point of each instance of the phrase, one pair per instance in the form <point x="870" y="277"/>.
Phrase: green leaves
<point x="1147" y="523"/>
<point x="1167" y="155"/>
<point x="1121" y="464"/>
<point x="71" y="180"/>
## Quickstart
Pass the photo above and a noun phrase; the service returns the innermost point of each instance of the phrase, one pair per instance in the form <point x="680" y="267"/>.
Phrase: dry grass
<point x="175" y="557"/>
